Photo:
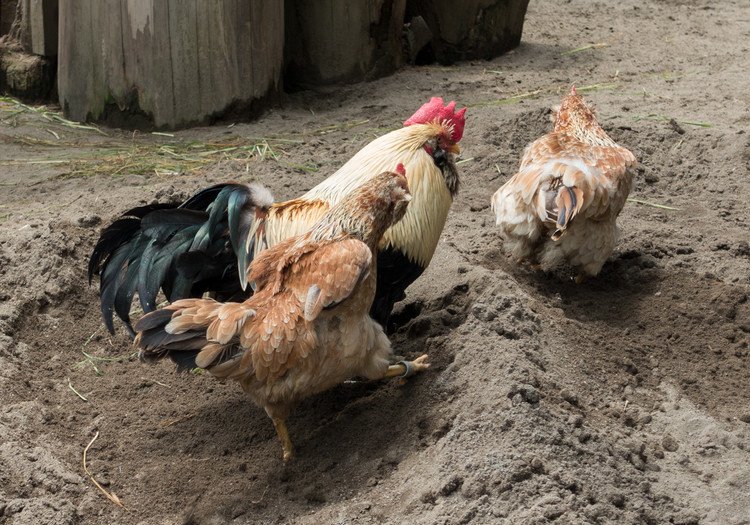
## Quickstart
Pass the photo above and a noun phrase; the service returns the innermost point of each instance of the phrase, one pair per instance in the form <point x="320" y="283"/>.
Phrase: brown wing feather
<point x="282" y="332"/>
<point x="264" y="269"/>
<point x="334" y="272"/>
<point x="285" y="220"/>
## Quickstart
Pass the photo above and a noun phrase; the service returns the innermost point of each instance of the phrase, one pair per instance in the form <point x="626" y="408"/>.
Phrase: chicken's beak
<point x="453" y="148"/>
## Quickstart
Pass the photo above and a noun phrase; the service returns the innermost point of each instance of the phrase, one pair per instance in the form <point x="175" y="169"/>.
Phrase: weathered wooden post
<point x="7" y="15"/>
<point x="470" y="29"/>
<point x="41" y="32"/>
<point x="340" y="41"/>
<point x="28" y="47"/>
<point x="168" y="63"/>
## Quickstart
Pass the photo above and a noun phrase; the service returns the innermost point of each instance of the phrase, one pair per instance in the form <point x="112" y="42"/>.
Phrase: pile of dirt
<point x="622" y="400"/>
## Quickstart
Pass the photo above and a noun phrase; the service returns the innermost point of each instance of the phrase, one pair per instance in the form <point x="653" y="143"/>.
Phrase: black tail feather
<point x="156" y="319"/>
<point x="185" y="361"/>
<point x="116" y="234"/>
<point x="156" y="343"/>
<point x="160" y="225"/>
<point x="157" y="260"/>
<point x="219" y="215"/>
<point x="109" y="282"/>
<point x="127" y="286"/>
<point x="184" y="250"/>
<point x="157" y="340"/>
<point x="203" y="199"/>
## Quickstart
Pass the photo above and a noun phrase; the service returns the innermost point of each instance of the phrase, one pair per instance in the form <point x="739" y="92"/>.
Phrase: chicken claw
<point x="404" y="369"/>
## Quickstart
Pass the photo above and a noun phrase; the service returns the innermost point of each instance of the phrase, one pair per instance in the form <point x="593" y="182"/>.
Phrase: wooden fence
<point x="173" y="63"/>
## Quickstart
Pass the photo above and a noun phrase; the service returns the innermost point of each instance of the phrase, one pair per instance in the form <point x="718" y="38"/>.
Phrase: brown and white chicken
<point x="306" y="328"/>
<point x="562" y="205"/>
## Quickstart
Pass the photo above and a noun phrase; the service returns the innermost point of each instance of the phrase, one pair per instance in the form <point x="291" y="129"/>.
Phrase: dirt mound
<point x="622" y="400"/>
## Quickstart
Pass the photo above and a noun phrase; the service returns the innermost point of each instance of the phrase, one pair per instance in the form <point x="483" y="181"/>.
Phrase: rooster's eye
<point x="438" y="155"/>
<point x="440" y="158"/>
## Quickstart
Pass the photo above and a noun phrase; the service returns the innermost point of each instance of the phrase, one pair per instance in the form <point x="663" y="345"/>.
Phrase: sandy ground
<point x="622" y="400"/>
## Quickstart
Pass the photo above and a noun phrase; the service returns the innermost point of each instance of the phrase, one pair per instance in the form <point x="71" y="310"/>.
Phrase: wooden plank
<point x="43" y="21"/>
<point x="75" y="60"/>
<point x="479" y="29"/>
<point x="185" y="73"/>
<point x="168" y="62"/>
<point x="31" y="23"/>
<point x="330" y="41"/>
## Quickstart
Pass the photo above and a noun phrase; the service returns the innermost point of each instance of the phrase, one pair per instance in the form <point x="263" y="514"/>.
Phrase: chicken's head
<point x="375" y="206"/>
<point x="451" y="121"/>
<point x="390" y="194"/>
<point x="576" y="117"/>
<point x="441" y="129"/>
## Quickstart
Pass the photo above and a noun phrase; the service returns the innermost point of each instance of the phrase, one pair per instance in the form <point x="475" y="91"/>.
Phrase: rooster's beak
<point x="453" y="148"/>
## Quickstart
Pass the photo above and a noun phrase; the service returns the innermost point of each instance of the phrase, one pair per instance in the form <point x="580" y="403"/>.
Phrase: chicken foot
<point x="404" y="369"/>
<point x="283" y="433"/>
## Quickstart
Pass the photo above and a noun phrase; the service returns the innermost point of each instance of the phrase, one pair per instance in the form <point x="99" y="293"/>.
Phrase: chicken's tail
<point x="194" y="333"/>
<point x="204" y="244"/>
<point x="556" y="190"/>
<point x="568" y="201"/>
<point x="545" y="195"/>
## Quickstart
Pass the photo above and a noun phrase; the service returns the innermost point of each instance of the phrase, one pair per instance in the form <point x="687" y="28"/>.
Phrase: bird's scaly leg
<point x="404" y="369"/>
<point x="286" y="442"/>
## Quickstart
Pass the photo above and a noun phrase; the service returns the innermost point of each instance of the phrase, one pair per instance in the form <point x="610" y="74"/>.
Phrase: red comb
<point x="433" y="111"/>
<point x="573" y="90"/>
<point x="400" y="169"/>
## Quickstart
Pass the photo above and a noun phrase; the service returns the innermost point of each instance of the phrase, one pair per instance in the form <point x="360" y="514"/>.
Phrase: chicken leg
<point x="404" y="369"/>
<point x="283" y="433"/>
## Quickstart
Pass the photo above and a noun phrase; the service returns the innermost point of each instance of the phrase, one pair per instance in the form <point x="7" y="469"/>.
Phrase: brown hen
<point x="563" y="203"/>
<point x="306" y="328"/>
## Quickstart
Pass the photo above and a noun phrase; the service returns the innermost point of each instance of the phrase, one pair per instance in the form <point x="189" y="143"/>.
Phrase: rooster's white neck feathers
<point x="419" y="231"/>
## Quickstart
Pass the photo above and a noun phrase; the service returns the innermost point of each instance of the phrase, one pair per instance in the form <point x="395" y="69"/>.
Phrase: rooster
<point x="307" y="326"/>
<point x="207" y="243"/>
<point x="563" y="203"/>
